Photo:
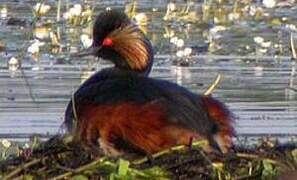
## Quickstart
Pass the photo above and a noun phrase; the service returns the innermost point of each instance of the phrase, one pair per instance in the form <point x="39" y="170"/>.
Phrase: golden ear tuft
<point x="129" y="42"/>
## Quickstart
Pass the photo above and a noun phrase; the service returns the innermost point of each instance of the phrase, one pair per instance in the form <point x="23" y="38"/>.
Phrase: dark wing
<point x="97" y="77"/>
<point x="182" y="106"/>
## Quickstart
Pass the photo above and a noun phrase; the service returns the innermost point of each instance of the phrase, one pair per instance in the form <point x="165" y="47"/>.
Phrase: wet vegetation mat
<point x="251" y="43"/>
<point x="58" y="159"/>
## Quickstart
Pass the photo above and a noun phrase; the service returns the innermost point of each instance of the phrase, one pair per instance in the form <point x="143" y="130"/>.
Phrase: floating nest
<point x="58" y="159"/>
<point x="61" y="158"/>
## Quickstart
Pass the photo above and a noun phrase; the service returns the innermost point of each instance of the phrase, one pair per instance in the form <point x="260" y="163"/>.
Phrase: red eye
<point x="107" y="42"/>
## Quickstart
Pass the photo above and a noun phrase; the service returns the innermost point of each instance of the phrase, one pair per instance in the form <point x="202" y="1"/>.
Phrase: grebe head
<point x="117" y="39"/>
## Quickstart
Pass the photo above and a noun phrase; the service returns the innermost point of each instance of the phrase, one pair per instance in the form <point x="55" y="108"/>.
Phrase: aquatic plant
<point x="60" y="159"/>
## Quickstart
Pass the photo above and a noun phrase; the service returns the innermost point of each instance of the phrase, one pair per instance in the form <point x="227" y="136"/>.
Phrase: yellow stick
<point x="213" y="85"/>
<point x="294" y="55"/>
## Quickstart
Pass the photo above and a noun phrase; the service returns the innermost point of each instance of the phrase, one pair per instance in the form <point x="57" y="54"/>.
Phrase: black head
<point x="117" y="39"/>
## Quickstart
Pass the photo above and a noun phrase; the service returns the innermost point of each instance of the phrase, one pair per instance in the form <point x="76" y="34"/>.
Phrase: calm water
<point x="259" y="87"/>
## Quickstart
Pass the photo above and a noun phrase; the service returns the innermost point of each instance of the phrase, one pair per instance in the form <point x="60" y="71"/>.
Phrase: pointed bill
<point x="91" y="51"/>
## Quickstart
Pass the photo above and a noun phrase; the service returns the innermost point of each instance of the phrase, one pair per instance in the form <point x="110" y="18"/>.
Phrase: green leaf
<point x="79" y="177"/>
<point x="268" y="169"/>
<point x="28" y="177"/>
<point x="123" y="167"/>
<point x="267" y="165"/>
<point x="155" y="173"/>
<point x="112" y="176"/>
<point x="294" y="154"/>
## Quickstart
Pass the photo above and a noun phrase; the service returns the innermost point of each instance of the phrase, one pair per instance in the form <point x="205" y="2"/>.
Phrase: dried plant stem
<point x="167" y="151"/>
<point x="212" y="87"/>
<point x="23" y="167"/>
<point x="59" y="3"/>
<point x="245" y="177"/>
<point x="245" y="155"/>
<point x="77" y="170"/>
<point x="294" y="54"/>
<point x="74" y="107"/>
<point x="253" y="156"/>
<point x="75" y="119"/>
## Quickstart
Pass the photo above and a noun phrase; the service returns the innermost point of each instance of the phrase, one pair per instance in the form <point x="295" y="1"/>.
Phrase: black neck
<point x="109" y="73"/>
<point x="120" y="64"/>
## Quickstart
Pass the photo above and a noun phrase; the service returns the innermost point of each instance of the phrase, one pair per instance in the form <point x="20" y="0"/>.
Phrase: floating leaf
<point x="79" y="177"/>
<point x="28" y="177"/>
<point x="276" y="21"/>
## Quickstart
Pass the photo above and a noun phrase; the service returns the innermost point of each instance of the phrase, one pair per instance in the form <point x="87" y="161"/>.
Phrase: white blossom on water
<point x="169" y="34"/>
<point x="13" y="64"/>
<point x="269" y="3"/>
<point x="187" y="51"/>
<point x="141" y="18"/>
<point x="276" y="45"/>
<point x="252" y="10"/>
<point x="180" y="43"/>
<point x="26" y="146"/>
<point x="171" y="6"/>
<point x="180" y="53"/>
<point x="263" y="50"/>
<point x="174" y="40"/>
<point x="217" y="29"/>
<point x="292" y="27"/>
<point x="67" y="15"/>
<point x="233" y="16"/>
<point x="41" y="8"/>
<point x="266" y="44"/>
<point x="3" y="13"/>
<point x="76" y="10"/>
<point x="258" y="40"/>
<point x="6" y="143"/>
<point x="86" y="40"/>
<point x="258" y="70"/>
<point x="41" y="32"/>
<point x="34" y="47"/>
